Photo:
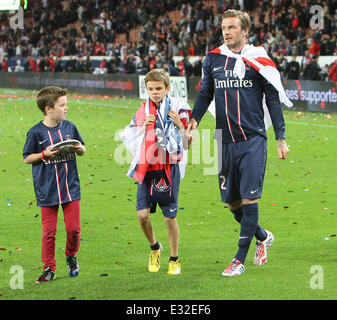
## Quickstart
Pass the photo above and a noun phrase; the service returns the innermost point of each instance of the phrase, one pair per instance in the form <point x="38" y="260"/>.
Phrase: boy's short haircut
<point x="48" y="96"/>
<point x="243" y="17"/>
<point x="158" y="75"/>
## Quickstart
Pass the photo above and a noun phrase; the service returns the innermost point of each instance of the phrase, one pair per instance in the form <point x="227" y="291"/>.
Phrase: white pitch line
<point x="311" y="124"/>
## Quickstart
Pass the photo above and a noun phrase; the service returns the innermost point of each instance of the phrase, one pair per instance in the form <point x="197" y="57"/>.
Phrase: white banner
<point x="178" y="87"/>
<point x="9" y="4"/>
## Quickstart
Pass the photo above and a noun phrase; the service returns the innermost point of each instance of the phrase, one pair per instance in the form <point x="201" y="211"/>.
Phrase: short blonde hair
<point x="158" y="75"/>
<point x="243" y="17"/>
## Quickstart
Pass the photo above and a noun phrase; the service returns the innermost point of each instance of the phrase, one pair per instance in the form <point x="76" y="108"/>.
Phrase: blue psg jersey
<point x="56" y="181"/>
<point x="238" y="102"/>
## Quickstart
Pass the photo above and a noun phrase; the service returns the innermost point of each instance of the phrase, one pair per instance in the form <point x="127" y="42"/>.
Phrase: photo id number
<point x="193" y="309"/>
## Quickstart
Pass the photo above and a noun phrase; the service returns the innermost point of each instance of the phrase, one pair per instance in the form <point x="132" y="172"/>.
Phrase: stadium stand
<point x="130" y="36"/>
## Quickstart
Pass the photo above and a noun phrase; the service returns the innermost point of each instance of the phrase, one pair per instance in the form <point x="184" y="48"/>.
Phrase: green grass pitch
<point x="298" y="205"/>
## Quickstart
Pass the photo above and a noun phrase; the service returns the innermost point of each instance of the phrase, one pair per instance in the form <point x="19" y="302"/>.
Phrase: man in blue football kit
<point x="238" y="76"/>
<point x="55" y="177"/>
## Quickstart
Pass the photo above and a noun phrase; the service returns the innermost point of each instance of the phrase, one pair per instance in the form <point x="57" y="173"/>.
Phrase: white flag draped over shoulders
<point x="134" y="140"/>
<point x="257" y="58"/>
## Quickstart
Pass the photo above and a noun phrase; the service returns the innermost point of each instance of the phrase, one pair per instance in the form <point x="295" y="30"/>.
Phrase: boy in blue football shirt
<point x="55" y="177"/>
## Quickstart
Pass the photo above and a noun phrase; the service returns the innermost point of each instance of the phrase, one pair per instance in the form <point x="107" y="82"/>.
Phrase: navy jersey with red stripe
<point x="55" y="181"/>
<point x="238" y="103"/>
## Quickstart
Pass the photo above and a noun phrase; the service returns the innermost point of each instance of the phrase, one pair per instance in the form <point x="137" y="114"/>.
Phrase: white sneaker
<point x="260" y="257"/>
<point x="235" y="268"/>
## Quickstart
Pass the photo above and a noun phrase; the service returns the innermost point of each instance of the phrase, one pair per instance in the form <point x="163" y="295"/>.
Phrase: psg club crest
<point x="160" y="190"/>
<point x="160" y="185"/>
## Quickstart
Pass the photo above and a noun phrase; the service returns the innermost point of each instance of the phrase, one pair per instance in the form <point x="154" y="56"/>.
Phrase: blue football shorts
<point x="241" y="169"/>
<point x="169" y="210"/>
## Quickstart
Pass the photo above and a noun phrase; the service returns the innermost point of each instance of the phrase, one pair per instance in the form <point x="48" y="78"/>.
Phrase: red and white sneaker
<point x="235" y="268"/>
<point x="260" y="257"/>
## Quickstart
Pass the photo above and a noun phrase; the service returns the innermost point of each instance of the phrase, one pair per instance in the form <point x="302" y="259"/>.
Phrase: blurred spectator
<point x="312" y="70"/>
<point x="173" y="48"/>
<point x="274" y="57"/>
<point x="103" y="67"/>
<point x="171" y="69"/>
<point x="4" y="65"/>
<point x="324" y="74"/>
<point x="152" y="60"/>
<point x="51" y="64"/>
<point x="293" y="69"/>
<point x="197" y="66"/>
<point x="143" y="66"/>
<point x="300" y="39"/>
<point x="19" y="67"/>
<point x="159" y="62"/>
<point x="98" y="49"/>
<point x="58" y="65"/>
<point x="113" y="64"/>
<point x="85" y="65"/>
<point x="282" y="65"/>
<point x="29" y="64"/>
<point x="333" y="72"/>
<point x="200" y="27"/>
<point x="328" y="45"/>
<point x="44" y="65"/>
<point x="315" y="48"/>
<point x="71" y="65"/>
<point x="306" y="59"/>
<point x="130" y="63"/>
<point x="188" y="67"/>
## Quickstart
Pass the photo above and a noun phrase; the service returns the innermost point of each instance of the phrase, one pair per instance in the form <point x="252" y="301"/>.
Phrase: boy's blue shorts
<point x="241" y="169"/>
<point x="169" y="209"/>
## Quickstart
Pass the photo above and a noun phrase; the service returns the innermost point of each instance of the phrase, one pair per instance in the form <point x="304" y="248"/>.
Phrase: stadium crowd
<point x="82" y="30"/>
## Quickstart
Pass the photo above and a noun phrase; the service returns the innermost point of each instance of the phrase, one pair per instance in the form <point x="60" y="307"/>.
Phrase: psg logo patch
<point x="160" y="191"/>
<point x="160" y="185"/>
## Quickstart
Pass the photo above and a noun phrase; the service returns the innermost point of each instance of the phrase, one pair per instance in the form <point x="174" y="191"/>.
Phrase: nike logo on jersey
<point x="171" y="210"/>
<point x="253" y="191"/>
<point x="217" y="68"/>
<point x="40" y="142"/>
